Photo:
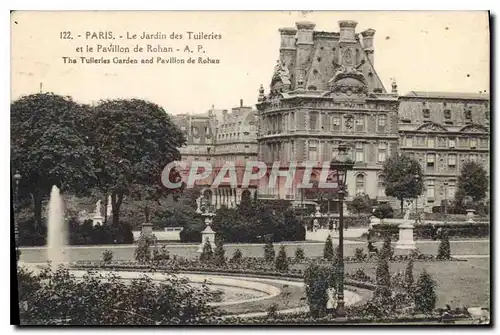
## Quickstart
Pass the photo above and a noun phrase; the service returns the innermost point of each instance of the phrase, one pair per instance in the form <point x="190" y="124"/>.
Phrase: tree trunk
<point x="105" y="208"/>
<point x="402" y="204"/>
<point x="116" y="202"/>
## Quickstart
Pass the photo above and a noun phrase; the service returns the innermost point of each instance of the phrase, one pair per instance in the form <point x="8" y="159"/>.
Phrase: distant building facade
<point x="219" y="137"/>
<point x="443" y="131"/>
<point x="325" y="89"/>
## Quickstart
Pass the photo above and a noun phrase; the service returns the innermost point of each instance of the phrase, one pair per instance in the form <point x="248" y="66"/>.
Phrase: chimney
<point x="224" y="115"/>
<point x="241" y="102"/>
<point x="394" y="87"/>
<point x="287" y="38"/>
<point x="347" y="31"/>
<point x="368" y="43"/>
<point x="261" y="94"/>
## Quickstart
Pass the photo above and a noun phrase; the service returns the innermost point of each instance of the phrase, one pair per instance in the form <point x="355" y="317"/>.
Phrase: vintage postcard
<point x="250" y="168"/>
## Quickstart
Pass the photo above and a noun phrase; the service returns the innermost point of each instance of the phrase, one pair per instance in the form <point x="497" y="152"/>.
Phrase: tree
<point x="134" y="140"/>
<point x="473" y="182"/>
<point x="444" y="251"/>
<point x="281" y="263"/>
<point x="51" y="145"/>
<point x="142" y="252"/>
<point x="361" y="204"/>
<point x="425" y="293"/>
<point x="269" y="252"/>
<point x="219" y="254"/>
<point x="207" y="253"/>
<point x="317" y="280"/>
<point x="399" y="180"/>
<point x="409" y="276"/>
<point x="328" y="250"/>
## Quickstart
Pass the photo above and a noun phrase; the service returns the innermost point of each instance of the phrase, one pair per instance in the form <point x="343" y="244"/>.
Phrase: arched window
<point x="360" y="184"/>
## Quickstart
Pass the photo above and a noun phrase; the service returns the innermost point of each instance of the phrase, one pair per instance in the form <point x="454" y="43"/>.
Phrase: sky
<point x="423" y="51"/>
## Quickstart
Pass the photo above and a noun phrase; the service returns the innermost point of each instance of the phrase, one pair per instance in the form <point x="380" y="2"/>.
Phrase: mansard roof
<point x="447" y="95"/>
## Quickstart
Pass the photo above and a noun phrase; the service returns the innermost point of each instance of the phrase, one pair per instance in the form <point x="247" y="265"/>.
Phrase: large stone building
<point x="219" y="137"/>
<point x="443" y="131"/>
<point x="325" y="89"/>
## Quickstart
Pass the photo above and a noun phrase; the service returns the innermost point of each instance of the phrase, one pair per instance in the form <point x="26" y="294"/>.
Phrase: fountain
<point x="57" y="239"/>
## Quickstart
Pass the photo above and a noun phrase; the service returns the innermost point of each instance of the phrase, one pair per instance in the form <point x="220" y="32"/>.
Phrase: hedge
<point x="424" y="231"/>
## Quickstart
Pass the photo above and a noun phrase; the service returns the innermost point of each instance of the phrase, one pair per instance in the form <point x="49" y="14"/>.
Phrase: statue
<point x="198" y="204"/>
<point x="98" y="208"/>
<point x="407" y="211"/>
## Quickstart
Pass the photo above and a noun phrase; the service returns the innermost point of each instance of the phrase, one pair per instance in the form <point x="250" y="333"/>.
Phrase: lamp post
<point x="17" y="178"/>
<point x="340" y="165"/>
<point x="445" y="201"/>
<point x="417" y="179"/>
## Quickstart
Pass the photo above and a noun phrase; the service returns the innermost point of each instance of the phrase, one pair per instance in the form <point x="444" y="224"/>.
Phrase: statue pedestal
<point x="470" y="215"/>
<point x="147" y="229"/>
<point x="97" y="220"/>
<point x="209" y="234"/>
<point x="405" y="244"/>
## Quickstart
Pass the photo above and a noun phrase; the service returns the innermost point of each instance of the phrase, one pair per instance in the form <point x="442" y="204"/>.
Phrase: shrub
<point x="425" y="294"/>
<point x="237" y="256"/>
<point x="207" y="253"/>
<point x="317" y="280"/>
<point x="386" y="250"/>
<point x="444" y="247"/>
<point x="281" y="263"/>
<point x="57" y="297"/>
<point x="160" y="254"/>
<point x="359" y="254"/>
<point x="409" y="276"/>
<point x="269" y="252"/>
<point x="299" y="254"/>
<point x="142" y="252"/>
<point x="384" y="211"/>
<point x="107" y="256"/>
<point x="424" y="231"/>
<point x="383" y="278"/>
<point x="219" y="254"/>
<point x="328" y="250"/>
<point x="272" y="311"/>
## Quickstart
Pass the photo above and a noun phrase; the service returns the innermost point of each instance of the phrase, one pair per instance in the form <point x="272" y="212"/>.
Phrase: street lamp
<point x="339" y="166"/>
<point x="17" y="178"/>
<point x="445" y="200"/>
<point x="417" y="179"/>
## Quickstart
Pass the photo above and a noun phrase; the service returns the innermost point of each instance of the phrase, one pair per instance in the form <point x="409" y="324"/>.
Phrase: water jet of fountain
<point x="57" y="239"/>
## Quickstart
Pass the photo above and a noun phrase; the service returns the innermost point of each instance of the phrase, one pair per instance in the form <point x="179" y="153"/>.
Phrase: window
<point x="451" y="142"/>
<point x="292" y="150"/>
<point x="380" y="186"/>
<point x="409" y="141"/>
<point x="313" y="154"/>
<point x="382" y="150"/>
<point x="431" y="158"/>
<point x="360" y="123"/>
<point x="426" y="113"/>
<point x="473" y="143"/>
<point x="360" y="184"/>
<point x="360" y="154"/>
<point x="313" y="121"/>
<point x="468" y="113"/>
<point x="292" y="120"/>
<point x="430" y="189"/>
<point x="462" y="142"/>
<point x="473" y="157"/>
<point x="430" y="142"/>
<point x="447" y="114"/>
<point x="452" y="161"/>
<point x="336" y="123"/>
<point x="382" y="119"/>
<point x="451" y="190"/>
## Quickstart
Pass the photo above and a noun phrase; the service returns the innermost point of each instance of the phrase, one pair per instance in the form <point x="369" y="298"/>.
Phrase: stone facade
<point x="443" y="131"/>
<point x="324" y="90"/>
<point x="219" y="137"/>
